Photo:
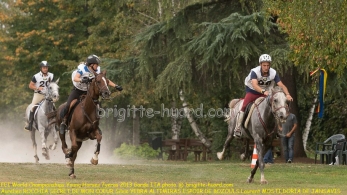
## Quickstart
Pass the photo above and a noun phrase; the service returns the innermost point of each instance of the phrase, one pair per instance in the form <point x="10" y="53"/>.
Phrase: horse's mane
<point x="278" y="89"/>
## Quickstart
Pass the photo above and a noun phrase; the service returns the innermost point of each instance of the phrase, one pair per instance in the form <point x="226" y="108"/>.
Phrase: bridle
<point x="98" y="87"/>
<point x="49" y="93"/>
<point x="95" y="101"/>
<point x="270" y="102"/>
<point x="275" y="109"/>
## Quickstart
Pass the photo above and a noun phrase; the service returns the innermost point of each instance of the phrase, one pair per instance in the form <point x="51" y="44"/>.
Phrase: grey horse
<point x="41" y="121"/>
<point x="261" y="125"/>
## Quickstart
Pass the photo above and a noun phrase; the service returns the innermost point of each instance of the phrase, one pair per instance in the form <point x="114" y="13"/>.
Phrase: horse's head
<point x="279" y="104"/>
<point x="101" y="84"/>
<point x="53" y="91"/>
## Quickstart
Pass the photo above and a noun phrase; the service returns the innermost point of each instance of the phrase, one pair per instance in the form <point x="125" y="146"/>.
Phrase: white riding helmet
<point x="264" y="58"/>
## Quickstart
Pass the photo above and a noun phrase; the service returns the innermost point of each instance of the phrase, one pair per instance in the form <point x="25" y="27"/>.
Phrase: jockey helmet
<point x="44" y="64"/>
<point x="93" y="59"/>
<point x="264" y="58"/>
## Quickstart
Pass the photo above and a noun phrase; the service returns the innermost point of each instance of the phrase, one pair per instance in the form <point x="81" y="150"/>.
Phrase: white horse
<point x="261" y="126"/>
<point x="42" y="122"/>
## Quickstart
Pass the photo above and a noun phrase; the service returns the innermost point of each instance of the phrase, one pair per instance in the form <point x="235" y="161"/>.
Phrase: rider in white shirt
<point x="39" y="84"/>
<point x="258" y="83"/>
<point x="80" y="79"/>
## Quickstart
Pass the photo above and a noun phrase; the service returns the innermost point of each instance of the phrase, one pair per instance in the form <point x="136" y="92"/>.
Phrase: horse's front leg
<point x="261" y="151"/>
<point x="55" y="138"/>
<point x="44" y="135"/>
<point x="264" y="149"/>
<point x="229" y="138"/>
<point x="260" y="162"/>
<point x="254" y="170"/>
<point x="63" y="143"/>
<point x="95" y="158"/>
<point x="34" y="145"/>
<point x="73" y="158"/>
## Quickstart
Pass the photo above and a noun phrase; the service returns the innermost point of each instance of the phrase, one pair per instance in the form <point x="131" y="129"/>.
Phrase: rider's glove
<point x="118" y="87"/>
<point x="84" y="80"/>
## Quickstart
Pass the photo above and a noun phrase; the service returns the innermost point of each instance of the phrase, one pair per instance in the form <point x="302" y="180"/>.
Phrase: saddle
<point x="73" y="106"/>
<point x="71" y="110"/>
<point x="248" y="113"/>
<point x="249" y="110"/>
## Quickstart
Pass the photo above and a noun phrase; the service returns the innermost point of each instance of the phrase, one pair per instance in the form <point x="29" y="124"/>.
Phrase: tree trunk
<point x="288" y="80"/>
<point x="308" y="123"/>
<point x="192" y="122"/>
<point x="174" y="122"/>
<point x="136" y="128"/>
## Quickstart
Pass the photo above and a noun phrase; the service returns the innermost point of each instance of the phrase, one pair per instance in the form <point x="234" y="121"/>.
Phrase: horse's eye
<point x="275" y="100"/>
<point x="50" y="87"/>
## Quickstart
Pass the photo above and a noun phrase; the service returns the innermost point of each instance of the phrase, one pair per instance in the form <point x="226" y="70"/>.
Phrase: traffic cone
<point x="254" y="157"/>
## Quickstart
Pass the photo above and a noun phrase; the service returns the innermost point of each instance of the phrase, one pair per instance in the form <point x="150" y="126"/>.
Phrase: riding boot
<point x="237" y="131"/>
<point x="29" y="127"/>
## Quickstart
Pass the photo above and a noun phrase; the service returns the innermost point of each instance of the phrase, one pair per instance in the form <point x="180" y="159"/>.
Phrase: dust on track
<point x="16" y="147"/>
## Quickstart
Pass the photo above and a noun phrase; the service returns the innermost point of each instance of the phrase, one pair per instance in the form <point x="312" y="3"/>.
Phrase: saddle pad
<point x="256" y="102"/>
<point x="232" y="104"/>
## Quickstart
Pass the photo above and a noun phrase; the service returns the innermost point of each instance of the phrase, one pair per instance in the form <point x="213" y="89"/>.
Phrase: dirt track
<point x="17" y="147"/>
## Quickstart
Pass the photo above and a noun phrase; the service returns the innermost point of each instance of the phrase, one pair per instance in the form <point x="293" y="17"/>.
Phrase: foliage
<point x="314" y="33"/>
<point x="143" y="151"/>
<point x="155" y="48"/>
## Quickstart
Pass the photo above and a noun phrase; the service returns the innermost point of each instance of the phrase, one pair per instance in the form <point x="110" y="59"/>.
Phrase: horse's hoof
<point x="52" y="147"/>
<point x="220" y="155"/>
<point x="36" y="159"/>
<point x="72" y="176"/>
<point x="249" y="180"/>
<point x="263" y="182"/>
<point x="45" y="153"/>
<point x="94" y="162"/>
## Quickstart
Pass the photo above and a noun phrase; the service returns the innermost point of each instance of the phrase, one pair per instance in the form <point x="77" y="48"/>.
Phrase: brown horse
<point x="84" y="121"/>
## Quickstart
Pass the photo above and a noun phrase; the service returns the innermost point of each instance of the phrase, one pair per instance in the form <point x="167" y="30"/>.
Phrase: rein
<point x="261" y="120"/>
<point x="273" y="111"/>
<point x="94" y="103"/>
<point x="273" y="108"/>
<point x="50" y="104"/>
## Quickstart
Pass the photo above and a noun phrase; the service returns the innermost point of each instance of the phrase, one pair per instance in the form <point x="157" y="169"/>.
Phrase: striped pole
<point x="254" y="157"/>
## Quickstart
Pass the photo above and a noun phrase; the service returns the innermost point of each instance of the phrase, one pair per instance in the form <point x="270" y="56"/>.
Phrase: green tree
<point x="317" y="39"/>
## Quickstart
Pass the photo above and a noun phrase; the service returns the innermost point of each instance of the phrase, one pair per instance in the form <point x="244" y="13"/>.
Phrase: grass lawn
<point x="168" y="177"/>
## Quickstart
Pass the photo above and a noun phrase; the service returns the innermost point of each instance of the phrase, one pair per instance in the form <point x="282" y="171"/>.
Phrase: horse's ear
<point x="49" y="79"/>
<point x="104" y="72"/>
<point x="93" y="72"/>
<point x="57" y="81"/>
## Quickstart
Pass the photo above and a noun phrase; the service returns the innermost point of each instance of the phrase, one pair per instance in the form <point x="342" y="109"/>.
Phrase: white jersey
<point x="83" y="70"/>
<point x="41" y="80"/>
<point x="265" y="82"/>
